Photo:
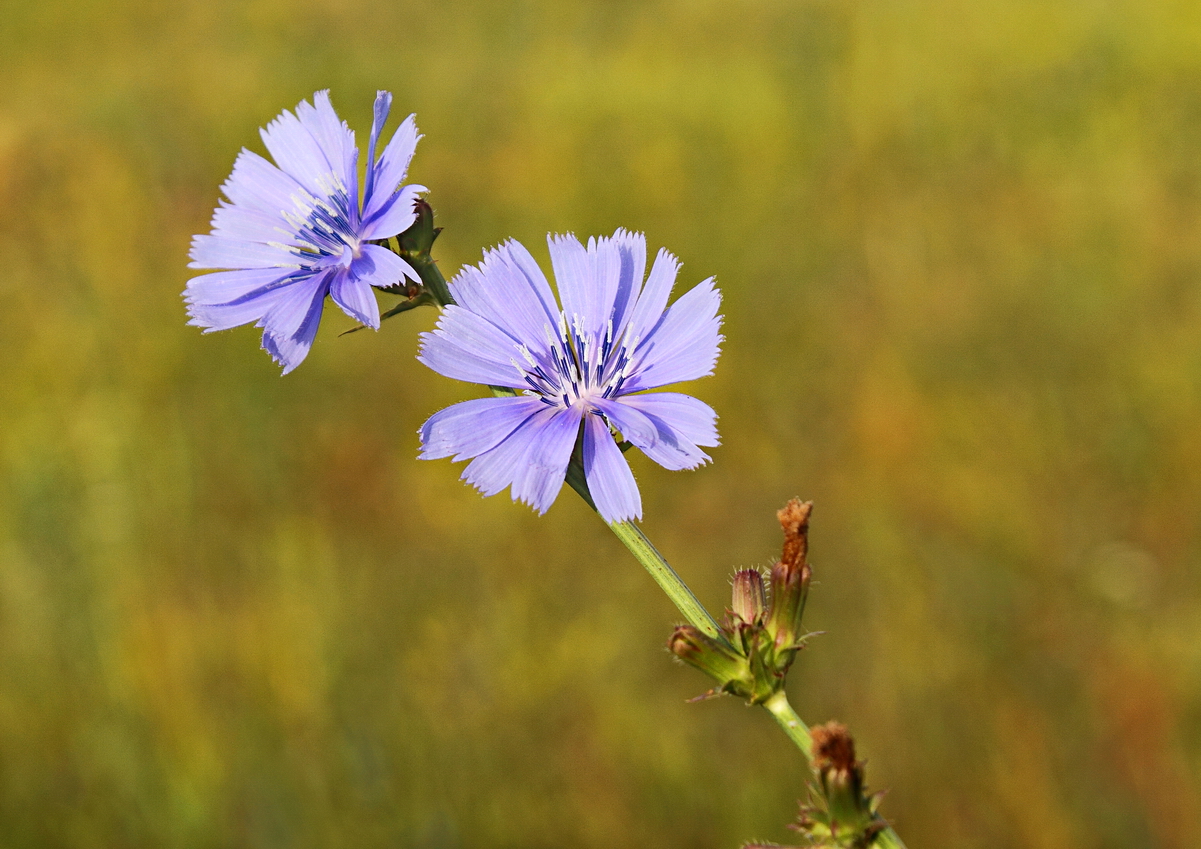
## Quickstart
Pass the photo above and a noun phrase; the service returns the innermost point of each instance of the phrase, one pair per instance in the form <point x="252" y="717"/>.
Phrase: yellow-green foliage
<point x="960" y="246"/>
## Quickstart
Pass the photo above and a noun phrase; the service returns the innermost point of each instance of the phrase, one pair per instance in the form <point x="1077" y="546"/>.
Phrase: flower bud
<point x="717" y="660"/>
<point x="749" y="597"/>
<point x="849" y="810"/>
<point x="419" y="238"/>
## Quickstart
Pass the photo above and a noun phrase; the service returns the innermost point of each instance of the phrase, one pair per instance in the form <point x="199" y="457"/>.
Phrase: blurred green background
<point x="960" y="247"/>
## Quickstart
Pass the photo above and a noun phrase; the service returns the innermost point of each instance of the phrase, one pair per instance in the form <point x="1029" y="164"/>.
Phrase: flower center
<point x="581" y="367"/>
<point x="326" y="227"/>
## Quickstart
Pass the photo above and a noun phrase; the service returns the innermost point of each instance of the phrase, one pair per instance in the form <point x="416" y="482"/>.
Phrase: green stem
<point x="667" y="579"/>
<point x="888" y="839"/>
<point x="431" y="276"/>
<point x="793" y="725"/>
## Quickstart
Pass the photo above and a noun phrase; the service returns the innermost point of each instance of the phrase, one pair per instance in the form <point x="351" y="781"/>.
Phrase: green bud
<point x="717" y="660"/>
<point x="419" y="238"/>
<point x="840" y="776"/>
<point x="749" y="597"/>
<point x="760" y="640"/>
<point x="850" y="814"/>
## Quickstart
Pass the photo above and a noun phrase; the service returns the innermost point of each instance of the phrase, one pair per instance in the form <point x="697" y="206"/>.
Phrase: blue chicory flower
<point x="296" y="231"/>
<point x="581" y="366"/>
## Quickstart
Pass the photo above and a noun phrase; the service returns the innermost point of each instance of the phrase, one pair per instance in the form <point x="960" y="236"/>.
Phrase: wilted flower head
<point x="578" y="366"/>
<point x="293" y="232"/>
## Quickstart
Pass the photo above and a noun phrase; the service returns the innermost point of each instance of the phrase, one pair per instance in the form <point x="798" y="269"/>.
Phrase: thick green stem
<point x="431" y="277"/>
<point x="793" y="725"/>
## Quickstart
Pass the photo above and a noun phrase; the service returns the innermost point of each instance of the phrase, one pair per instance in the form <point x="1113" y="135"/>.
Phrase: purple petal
<point x="533" y="276"/>
<point x="631" y="248"/>
<point x="573" y="267"/>
<point x="608" y="474"/>
<point x="291" y="325"/>
<point x="532" y="460"/>
<point x="465" y="346"/>
<point x="503" y="289"/>
<point x="470" y="428"/>
<point x="291" y="352"/>
<point x="386" y="268"/>
<point x="248" y="224"/>
<point x="354" y="296"/>
<point x="227" y="299"/>
<point x="668" y="427"/>
<point x="215" y="317"/>
<point x="333" y="136"/>
<point x="223" y="287"/>
<point x="381" y="108"/>
<point x="653" y="298"/>
<point x="683" y="346"/>
<point x="257" y="184"/>
<point x="634" y="426"/>
<point x="690" y="418"/>
<point x="389" y="171"/>
<point x="298" y="143"/>
<point x="299" y="306"/>
<point x="601" y="292"/>
<point x="541" y="475"/>
<point x="220" y="252"/>
<point x="393" y="215"/>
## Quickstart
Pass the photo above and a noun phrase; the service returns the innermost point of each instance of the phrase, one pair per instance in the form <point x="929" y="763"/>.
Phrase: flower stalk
<point x="796" y="729"/>
<point x="681" y="596"/>
<point x="751" y="653"/>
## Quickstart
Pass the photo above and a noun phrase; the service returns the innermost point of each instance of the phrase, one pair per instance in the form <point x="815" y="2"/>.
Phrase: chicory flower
<point x="293" y="232"/>
<point x="581" y="369"/>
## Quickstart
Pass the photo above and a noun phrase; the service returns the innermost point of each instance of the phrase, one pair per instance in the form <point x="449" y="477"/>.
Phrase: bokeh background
<point x="960" y="247"/>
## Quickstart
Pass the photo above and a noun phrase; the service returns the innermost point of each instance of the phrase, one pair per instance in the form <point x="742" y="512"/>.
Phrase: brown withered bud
<point x="749" y="597"/>
<point x="790" y="577"/>
<point x="794" y="519"/>
<point x="842" y="780"/>
<point x="833" y="748"/>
